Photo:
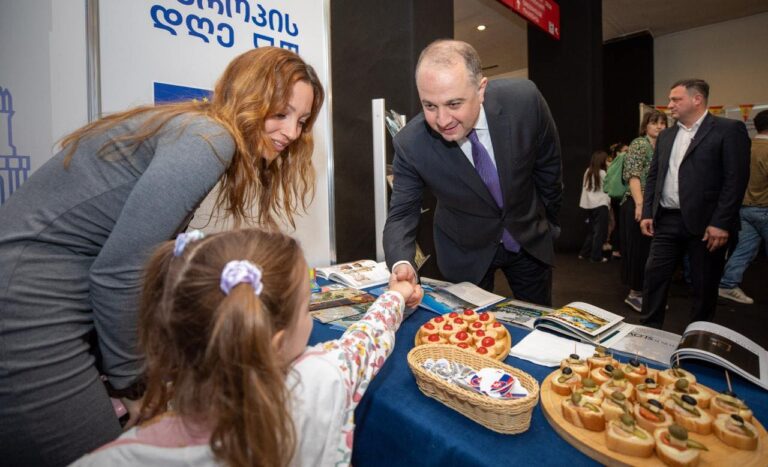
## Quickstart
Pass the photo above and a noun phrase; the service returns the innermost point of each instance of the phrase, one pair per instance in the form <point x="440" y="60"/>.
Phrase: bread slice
<point x="616" y="439"/>
<point x="564" y="387"/>
<point x="672" y="455"/>
<point x="649" y="420"/>
<point x="623" y="386"/>
<point x="600" y="375"/>
<point x="728" y="431"/>
<point x="698" y="392"/>
<point x="645" y="391"/>
<point x="670" y="375"/>
<point x="728" y="404"/>
<point x="592" y="418"/>
<point x="701" y="423"/>
<point x="614" y="410"/>
<point x="637" y="374"/>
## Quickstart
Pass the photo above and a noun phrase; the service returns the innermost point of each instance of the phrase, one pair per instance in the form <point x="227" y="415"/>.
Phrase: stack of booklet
<point x="338" y="305"/>
<point x="357" y="274"/>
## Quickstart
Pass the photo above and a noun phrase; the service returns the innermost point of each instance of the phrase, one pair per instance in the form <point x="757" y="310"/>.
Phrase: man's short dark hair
<point x="761" y="121"/>
<point x="698" y="85"/>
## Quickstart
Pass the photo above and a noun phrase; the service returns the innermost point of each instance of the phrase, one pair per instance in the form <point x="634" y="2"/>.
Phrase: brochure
<point x="334" y="295"/>
<point x="519" y="313"/>
<point x="444" y="297"/>
<point x="356" y="312"/>
<point x="358" y="274"/>
<point x="724" y="347"/>
<point x="585" y="322"/>
<point x="649" y="343"/>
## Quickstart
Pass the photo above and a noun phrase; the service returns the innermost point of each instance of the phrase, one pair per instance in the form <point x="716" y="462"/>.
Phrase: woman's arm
<point x="183" y="169"/>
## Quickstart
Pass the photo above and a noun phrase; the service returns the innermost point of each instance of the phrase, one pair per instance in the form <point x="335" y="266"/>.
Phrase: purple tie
<point x="489" y="175"/>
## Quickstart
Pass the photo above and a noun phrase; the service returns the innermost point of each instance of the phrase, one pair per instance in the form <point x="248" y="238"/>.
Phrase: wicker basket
<point x="509" y="417"/>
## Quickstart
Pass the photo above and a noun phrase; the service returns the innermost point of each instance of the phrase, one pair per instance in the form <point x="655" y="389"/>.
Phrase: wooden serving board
<point x="504" y="353"/>
<point x="592" y="443"/>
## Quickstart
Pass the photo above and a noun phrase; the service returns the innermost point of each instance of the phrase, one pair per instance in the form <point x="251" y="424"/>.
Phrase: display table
<point x="398" y="425"/>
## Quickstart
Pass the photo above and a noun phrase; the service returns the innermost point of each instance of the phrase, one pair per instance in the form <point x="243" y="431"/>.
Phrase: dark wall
<point x="569" y="74"/>
<point x="374" y="48"/>
<point x="627" y="81"/>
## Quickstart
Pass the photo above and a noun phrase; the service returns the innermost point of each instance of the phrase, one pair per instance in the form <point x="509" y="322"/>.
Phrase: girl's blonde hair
<point x="210" y="356"/>
<point x="257" y="84"/>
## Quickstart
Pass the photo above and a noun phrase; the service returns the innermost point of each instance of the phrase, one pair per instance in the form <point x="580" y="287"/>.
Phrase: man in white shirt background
<point x="694" y="190"/>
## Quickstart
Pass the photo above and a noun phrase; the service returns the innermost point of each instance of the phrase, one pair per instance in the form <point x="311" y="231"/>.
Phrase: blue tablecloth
<point x="398" y="425"/>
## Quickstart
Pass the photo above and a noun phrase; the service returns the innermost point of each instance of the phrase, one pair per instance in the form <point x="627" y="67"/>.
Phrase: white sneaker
<point x="735" y="294"/>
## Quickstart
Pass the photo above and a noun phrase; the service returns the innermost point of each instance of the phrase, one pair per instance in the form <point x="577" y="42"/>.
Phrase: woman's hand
<point x="639" y="211"/>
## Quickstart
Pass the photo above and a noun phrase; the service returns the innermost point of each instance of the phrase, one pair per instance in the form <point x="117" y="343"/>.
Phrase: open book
<point x="519" y="313"/>
<point x="586" y="323"/>
<point x="444" y="297"/>
<point x="357" y="274"/>
<point x="724" y="347"/>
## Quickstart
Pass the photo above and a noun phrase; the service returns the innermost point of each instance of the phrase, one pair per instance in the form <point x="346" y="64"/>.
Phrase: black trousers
<point x="529" y="278"/>
<point x="597" y="233"/>
<point x="670" y="242"/>
<point x="635" y="248"/>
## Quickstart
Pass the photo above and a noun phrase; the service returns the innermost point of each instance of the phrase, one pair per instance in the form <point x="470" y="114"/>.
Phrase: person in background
<point x="224" y="324"/>
<point x="693" y="193"/>
<point x="74" y="238"/>
<point x="636" y="246"/>
<point x="490" y="153"/>
<point x="614" y="225"/>
<point x="753" y="215"/>
<point x="597" y="203"/>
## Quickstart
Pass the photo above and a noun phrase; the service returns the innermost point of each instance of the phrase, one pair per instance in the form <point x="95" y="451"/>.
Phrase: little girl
<point x="597" y="204"/>
<point x="224" y="326"/>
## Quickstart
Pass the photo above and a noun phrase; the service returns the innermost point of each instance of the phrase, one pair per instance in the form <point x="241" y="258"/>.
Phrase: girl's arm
<point x="365" y="346"/>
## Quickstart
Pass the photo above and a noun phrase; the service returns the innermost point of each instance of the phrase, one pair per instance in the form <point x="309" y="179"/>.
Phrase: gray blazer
<point x="468" y="224"/>
<point x="712" y="178"/>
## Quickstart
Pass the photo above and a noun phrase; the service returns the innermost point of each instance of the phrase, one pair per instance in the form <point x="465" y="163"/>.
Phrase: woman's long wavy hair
<point x="256" y="85"/>
<point x="596" y="164"/>
<point x="209" y="356"/>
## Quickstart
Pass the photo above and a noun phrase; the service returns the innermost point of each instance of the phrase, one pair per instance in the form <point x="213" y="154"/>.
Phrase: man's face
<point x="683" y="105"/>
<point x="451" y="101"/>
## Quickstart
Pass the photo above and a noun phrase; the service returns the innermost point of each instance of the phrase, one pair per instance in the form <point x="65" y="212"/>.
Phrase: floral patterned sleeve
<point x="365" y="346"/>
<point x="635" y="162"/>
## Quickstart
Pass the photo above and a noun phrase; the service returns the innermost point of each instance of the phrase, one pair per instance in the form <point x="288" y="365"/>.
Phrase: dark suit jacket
<point x="712" y="177"/>
<point x="468" y="223"/>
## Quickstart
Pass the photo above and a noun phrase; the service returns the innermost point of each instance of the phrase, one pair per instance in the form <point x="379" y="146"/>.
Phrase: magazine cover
<point x="328" y="315"/>
<point x="583" y="317"/>
<point x="357" y="312"/>
<point x="519" y="313"/>
<point x="335" y="295"/>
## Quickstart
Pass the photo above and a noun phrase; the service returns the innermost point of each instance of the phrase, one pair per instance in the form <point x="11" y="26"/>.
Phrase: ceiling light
<point x="481" y="27"/>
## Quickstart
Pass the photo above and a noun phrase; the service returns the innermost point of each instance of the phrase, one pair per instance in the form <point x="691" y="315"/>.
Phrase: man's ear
<point x="481" y="89"/>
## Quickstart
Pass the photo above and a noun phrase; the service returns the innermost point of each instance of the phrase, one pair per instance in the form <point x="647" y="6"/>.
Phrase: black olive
<point x="574" y="356"/>
<point x="609" y="368"/>
<point x="649" y="381"/>
<point x="655" y="403"/>
<point x="737" y="418"/>
<point x="634" y="362"/>
<point x="688" y="399"/>
<point x="567" y="370"/>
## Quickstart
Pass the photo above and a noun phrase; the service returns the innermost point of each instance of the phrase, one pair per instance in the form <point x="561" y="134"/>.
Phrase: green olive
<point x="618" y="373"/>
<point x="588" y="383"/>
<point x="627" y="419"/>
<point x="618" y="396"/>
<point x="681" y="385"/>
<point x="576" y="398"/>
<point x="678" y="432"/>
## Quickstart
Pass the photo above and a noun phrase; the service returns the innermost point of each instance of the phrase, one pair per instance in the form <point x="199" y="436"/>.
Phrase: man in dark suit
<point x="694" y="189"/>
<point x="490" y="153"/>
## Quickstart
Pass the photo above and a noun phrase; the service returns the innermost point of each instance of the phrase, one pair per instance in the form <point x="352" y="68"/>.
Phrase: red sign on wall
<point x="543" y="13"/>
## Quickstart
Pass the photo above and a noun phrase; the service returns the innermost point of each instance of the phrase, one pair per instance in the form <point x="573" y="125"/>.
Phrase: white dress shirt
<point x="483" y="134"/>
<point x="670" y="194"/>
